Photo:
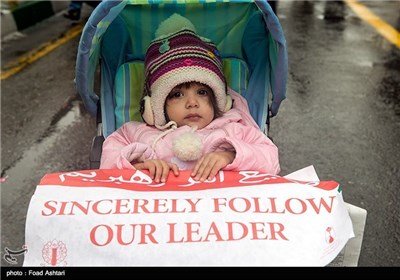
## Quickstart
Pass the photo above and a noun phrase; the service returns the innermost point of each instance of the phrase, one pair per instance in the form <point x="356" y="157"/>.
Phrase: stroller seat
<point x="247" y="34"/>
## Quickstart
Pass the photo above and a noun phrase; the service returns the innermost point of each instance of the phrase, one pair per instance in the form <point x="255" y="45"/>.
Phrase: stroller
<point x="115" y="39"/>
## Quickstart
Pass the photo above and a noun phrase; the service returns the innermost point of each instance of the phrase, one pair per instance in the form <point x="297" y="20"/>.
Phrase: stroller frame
<point x="115" y="38"/>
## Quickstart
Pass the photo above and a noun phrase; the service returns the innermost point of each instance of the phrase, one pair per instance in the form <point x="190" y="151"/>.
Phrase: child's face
<point x="190" y="104"/>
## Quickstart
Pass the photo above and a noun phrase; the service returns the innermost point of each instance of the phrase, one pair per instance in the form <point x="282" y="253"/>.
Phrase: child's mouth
<point x="193" y="117"/>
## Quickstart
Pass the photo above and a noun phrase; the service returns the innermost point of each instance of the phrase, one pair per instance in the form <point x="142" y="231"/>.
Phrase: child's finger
<point x="164" y="171"/>
<point x="214" y="170"/>
<point x="158" y="171"/>
<point x="197" y="166"/>
<point x="152" y="169"/>
<point x="174" y="168"/>
<point x="205" y="169"/>
<point x="199" y="169"/>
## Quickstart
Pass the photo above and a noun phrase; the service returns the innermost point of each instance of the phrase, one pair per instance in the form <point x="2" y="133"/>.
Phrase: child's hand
<point x="208" y="165"/>
<point x="159" y="169"/>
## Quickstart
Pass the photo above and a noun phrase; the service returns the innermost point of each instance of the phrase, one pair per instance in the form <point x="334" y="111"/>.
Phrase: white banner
<point x="122" y="218"/>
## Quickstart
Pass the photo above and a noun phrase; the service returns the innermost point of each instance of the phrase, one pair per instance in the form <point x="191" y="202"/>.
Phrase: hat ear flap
<point x="147" y="112"/>
<point x="229" y="102"/>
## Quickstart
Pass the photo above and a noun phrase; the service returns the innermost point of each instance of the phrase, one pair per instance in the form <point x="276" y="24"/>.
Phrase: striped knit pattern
<point x="185" y="49"/>
<point x="178" y="58"/>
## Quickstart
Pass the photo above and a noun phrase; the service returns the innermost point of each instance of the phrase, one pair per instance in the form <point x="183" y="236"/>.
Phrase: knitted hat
<point x="178" y="55"/>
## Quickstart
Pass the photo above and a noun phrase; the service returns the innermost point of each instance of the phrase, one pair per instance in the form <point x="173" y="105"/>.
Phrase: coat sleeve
<point x="120" y="149"/>
<point x="254" y="150"/>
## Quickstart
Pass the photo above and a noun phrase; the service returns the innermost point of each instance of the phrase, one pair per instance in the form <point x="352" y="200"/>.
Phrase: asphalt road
<point x="341" y="115"/>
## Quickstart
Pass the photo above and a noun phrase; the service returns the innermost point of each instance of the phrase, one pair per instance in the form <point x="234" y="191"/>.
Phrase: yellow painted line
<point x="382" y="27"/>
<point x="27" y="59"/>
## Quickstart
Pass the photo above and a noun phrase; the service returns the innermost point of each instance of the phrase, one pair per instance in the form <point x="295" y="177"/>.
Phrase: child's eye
<point x="203" y="92"/>
<point x="175" y="94"/>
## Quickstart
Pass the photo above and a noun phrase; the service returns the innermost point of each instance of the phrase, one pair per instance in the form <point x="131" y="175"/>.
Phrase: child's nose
<point x="192" y="101"/>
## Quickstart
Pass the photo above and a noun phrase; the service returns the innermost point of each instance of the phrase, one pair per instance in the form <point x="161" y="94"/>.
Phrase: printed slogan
<point x="126" y="234"/>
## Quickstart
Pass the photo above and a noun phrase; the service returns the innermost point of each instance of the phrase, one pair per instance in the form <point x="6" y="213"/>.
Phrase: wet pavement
<point x="341" y="115"/>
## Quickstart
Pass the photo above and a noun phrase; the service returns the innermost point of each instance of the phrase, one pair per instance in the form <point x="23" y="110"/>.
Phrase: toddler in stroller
<point x="247" y="34"/>
<point x="188" y="115"/>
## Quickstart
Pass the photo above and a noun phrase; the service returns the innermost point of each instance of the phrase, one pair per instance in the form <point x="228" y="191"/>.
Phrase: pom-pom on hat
<point x="178" y="55"/>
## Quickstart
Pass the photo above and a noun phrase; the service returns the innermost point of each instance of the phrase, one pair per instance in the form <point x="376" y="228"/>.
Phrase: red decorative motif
<point x="330" y="235"/>
<point x="54" y="252"/>
<point x="188" y="62"/>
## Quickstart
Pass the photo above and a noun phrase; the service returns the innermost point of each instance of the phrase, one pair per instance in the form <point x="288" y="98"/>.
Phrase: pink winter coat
<point x="235" y="130"/>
